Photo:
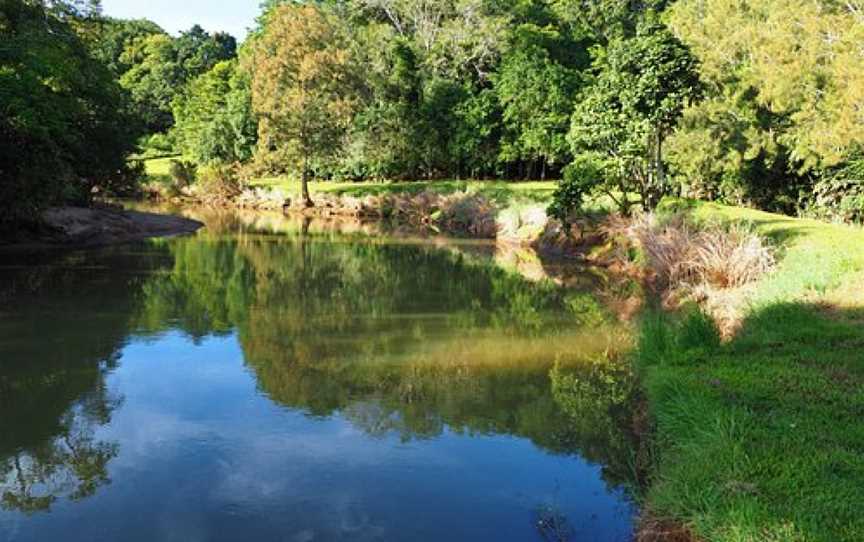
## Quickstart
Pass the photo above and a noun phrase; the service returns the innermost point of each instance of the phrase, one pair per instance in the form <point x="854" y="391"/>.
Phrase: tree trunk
<point x="304" y="186"/>
<point x="661" y="174"/>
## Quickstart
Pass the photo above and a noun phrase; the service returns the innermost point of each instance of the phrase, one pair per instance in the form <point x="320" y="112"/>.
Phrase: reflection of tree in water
<point x="72" y="463"/>
<point x="405" y="340"/>
<point x="71" y="317"/>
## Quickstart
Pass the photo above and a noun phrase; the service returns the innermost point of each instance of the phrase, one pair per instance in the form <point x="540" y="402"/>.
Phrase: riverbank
<point x="760" y="438"/>
<point x="95" y="226"/>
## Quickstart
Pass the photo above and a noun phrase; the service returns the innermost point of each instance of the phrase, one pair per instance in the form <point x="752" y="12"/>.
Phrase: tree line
<point x="755" y="102"/>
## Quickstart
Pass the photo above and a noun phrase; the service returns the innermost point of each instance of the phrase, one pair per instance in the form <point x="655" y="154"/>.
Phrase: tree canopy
<point x="747" y="103"/>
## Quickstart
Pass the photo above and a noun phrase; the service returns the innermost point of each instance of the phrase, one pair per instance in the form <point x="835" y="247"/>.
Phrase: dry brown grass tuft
<point x="718" y="257"/>
<point x="663" y="530"/>
<point x="711" y="265"/>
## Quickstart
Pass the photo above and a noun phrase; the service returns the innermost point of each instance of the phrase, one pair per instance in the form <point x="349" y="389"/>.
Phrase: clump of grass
<point x="708" y="264"/>
<point x="682" y="339"/>
<point x="717" y="256"/>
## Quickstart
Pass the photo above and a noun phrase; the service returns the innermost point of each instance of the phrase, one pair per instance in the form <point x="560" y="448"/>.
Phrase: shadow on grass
<point x="778" y="413"/>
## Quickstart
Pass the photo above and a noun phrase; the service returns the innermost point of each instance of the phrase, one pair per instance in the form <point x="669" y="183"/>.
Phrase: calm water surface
<point x="305" y="385"/>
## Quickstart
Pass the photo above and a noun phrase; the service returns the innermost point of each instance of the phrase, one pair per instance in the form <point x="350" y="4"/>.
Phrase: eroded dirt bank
<point x="87" y="227"/>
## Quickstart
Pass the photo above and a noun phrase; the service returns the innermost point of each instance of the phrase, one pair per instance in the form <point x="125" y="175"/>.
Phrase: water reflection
<point x="53" y="395"/>
<point x="400" y="340"/>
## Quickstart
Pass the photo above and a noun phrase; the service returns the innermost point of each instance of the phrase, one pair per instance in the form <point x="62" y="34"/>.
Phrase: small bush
<point x="182" y="173"/>
<point x="220" y="183"/>
<point x="839" y="197"/>
<point x="569" y="197"/>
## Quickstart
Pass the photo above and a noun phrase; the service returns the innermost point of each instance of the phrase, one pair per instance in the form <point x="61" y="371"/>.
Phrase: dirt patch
<point x="87" y="227"/>
<point x="653" y="529"/>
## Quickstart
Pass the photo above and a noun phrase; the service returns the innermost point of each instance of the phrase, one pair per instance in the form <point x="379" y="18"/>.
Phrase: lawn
<point x="158" y="169"/>
<point x="762" y="439"/>
<point x="502" y="192"/>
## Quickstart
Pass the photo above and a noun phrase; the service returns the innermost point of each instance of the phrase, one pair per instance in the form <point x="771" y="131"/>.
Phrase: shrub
<point x="839" y="194"/>
<point x="156" y="145"/>
<point x="568" y="198"/>
<point x="182" y="173"/>
<point x="220" y="183"/>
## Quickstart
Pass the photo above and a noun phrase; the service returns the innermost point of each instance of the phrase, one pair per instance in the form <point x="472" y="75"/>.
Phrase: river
<point x="274" y="379"/>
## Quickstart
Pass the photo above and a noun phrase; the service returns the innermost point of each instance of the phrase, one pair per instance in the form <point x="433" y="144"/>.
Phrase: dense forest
<point x="758" y="103"/>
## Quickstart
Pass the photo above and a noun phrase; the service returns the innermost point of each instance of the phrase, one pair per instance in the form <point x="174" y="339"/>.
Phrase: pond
<point x="284" y="381"/>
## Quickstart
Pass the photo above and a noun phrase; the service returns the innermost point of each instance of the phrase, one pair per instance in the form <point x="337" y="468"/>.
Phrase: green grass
<point x="158" y="169"/>
<point x="762" y="439"/>
<point x="502" y="192"/>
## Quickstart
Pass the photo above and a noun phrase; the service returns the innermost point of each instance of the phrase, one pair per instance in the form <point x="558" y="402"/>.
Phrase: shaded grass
<point x="761" y="439"/>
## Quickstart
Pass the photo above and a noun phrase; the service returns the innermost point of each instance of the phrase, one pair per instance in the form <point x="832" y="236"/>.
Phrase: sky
<point x="232" y="16"/>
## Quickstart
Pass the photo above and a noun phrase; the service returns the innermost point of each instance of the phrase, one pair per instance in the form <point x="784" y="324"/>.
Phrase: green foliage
<point x="581" y="177"/>
<point x="65" y="126"/>
<point x="536" y="83"/>
<point x="160" y="66"/>
<point x="114" y="36"/>
<point x="182" y="173"/>
<point x="385" y="135"/>
<point x="839" y="193"/>
<point x="157" y="145"/>
<point x="213" y="116"/>
<point x="782" y="97"/>
<point x="640" y="87"/>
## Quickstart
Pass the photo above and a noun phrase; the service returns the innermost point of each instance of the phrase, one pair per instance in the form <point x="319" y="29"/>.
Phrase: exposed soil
<point x="87" y="227"/>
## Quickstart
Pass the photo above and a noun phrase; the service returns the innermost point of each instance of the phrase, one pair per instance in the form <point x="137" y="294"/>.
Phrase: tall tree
<point x="113" y="36"/>
<point x="302" y="88"/>
<point x="785" y="92"/>
<point x="153" y="80"/>
<point x="536" y="84"/>
<point x="638" y="93"/>
<point x="214" y="121"/>
<point x="160" y="67"/>
<point x="65" y="126"/>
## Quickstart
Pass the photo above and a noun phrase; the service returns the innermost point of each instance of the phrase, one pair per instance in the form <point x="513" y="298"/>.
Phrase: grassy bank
<point x="498" y="191"/>
<point x="502" y="192"/>
<point x="761" y="439"/>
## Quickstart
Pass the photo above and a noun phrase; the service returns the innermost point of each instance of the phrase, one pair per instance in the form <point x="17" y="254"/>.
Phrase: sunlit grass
<point x="498" y="191"/>
<point x="159" y="169"/>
